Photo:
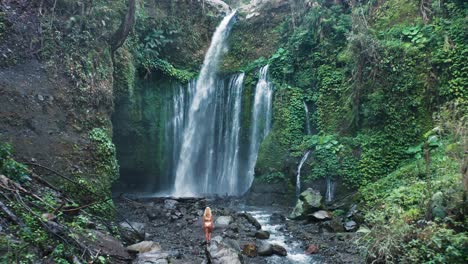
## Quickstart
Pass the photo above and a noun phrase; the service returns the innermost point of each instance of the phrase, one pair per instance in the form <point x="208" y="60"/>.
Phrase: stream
<point x="280" y="236"/>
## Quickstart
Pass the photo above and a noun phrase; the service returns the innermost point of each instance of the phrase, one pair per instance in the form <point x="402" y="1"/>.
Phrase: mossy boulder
<point x="309" y="202"/>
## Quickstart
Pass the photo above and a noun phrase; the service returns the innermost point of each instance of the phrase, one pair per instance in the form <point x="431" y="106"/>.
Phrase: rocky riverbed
<point x="170" y="229"/>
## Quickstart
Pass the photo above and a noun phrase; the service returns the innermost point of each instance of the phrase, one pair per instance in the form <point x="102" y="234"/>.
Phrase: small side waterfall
<point x="261" y="119"/>
<point x="298" y="177"/>
<point x="197" y="172"/>
<point x="330" y="192"/>
<point x="306" y="109"/>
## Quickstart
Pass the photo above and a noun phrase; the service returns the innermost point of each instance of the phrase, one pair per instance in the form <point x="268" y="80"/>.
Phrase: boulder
<point x="251" y="220"/>
<point x="250" y="250"/>
<point x="350" y="226"/>
<point x="321" y="215"/>
<point x="298" y="210"/>
<point x="170" y="204"/>
<point x="279" y="250"/>
<point x="133" y="231"/>
<point x="266" y="249"/>
<point x="262" y="234"/>
<point x="220" y="253"/>
<point x="309" y="201"/>
<point x="223" y="221"/>
<point x="312" y="249"/>
<point x="144" y="246"/>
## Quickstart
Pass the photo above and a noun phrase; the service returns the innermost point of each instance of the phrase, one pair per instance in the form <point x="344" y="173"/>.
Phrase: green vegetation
<point x="46" y="226"/>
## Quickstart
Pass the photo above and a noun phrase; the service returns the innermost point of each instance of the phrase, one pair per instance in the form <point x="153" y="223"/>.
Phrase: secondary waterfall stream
<point x="261" y="118"/>
<point x="298" y="177"/>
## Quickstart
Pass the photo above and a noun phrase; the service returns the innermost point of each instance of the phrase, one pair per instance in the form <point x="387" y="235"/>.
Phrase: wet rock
<point x="144" y="246"/>
<point x="312" y="249"/>
<point x="251" y="220"/>
<point x="279" y="250"/>
<point x="221" y="253"/>
<point x="170" y="204"/>
<point x="309" y="201"/>
<point x="321" y="215"/>
<point x="266" y="249"/>
<point x="350" y="226"/>
<point x="250" y="250"/>
<point x="262" y="234"/>
<point x="277" y="218"/>
<point x="223" y="221"/>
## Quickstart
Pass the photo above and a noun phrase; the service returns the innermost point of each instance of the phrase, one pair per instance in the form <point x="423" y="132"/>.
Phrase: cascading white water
<point x="306" y="109"/>
<point x="298" y="177"/>
<point x="261" y="119"/>
<point x="195" y="166"/>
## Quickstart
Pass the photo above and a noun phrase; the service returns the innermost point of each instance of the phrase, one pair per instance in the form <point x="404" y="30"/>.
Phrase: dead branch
<point x="11" y="215"/>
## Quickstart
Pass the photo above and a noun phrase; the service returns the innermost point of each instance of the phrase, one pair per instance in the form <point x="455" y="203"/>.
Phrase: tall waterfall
<point x="206" y="147"/>
<point x="298" y="177"/>
<point x="261" y="119"/>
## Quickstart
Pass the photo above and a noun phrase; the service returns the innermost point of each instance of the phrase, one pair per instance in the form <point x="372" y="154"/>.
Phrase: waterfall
<point x="306" y="109"/>
<point x="298" y="177"/>
<point x="261" y="119"/>
<point x="329" y="194"/>
<point x="197" y="172"/>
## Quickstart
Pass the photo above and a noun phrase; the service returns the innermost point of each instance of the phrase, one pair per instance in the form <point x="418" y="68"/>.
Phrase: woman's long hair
<point x="207" y="214"/>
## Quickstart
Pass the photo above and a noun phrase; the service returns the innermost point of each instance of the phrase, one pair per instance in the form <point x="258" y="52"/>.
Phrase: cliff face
<point x="57" y="73"/>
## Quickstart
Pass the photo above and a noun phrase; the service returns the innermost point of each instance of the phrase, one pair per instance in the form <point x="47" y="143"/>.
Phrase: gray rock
<point x="350" y="226"/>
<point x="221" y="253"/>
<point x="170" y="204"/>
<point x="321" y="215"/>
<point x="279" y="250"/>
<point x="266" y="249"/>
<point x="223" y="221"/>
<point x="262" y="234"/>
<point x="145" y="246"/>
<point x="251" y="220"/>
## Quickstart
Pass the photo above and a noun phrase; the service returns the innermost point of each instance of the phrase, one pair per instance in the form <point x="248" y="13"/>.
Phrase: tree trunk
<point x="127" y="23"/>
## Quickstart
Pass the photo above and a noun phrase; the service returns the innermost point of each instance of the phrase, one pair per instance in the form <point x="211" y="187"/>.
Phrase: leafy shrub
<point x="9" y="167"/>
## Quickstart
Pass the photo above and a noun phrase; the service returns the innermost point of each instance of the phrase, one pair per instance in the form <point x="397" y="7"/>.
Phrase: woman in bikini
<point x="208" y="225"/>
